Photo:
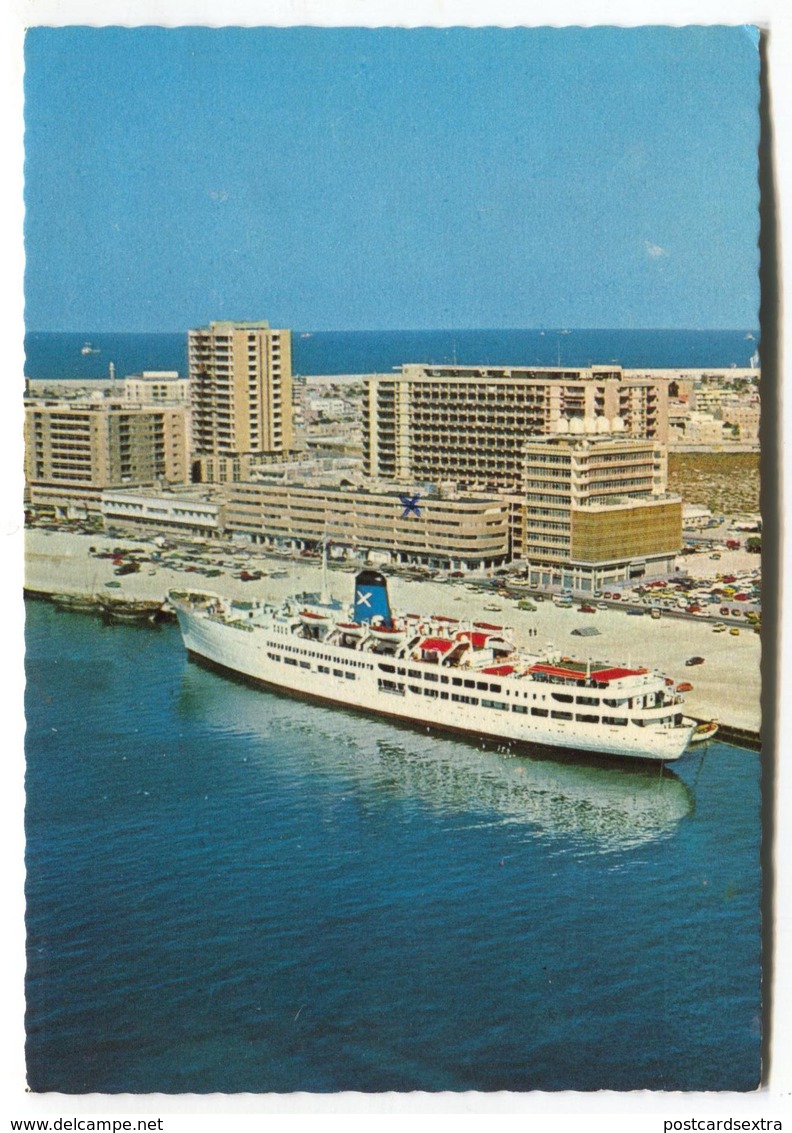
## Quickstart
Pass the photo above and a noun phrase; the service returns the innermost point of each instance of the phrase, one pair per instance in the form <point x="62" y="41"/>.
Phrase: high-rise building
<point x="469" y="423"/>
<point x="76" y="448"/>
<point x="595" y="510"/>
<point x="240" y="398"/>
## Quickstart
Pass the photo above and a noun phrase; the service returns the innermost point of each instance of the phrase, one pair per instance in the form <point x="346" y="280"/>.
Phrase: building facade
<point x="469" y="423"/>
<point x="187" y="510"/>
<point x="76" y="449"/>
<point x="596" y="511"/>
<point x="153" y="387"/>
<point x="451" y="534"/>
<point x="240" y="397"/>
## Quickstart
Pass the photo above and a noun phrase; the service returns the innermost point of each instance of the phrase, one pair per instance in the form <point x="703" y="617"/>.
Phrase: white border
<point x="566" y="1110"/>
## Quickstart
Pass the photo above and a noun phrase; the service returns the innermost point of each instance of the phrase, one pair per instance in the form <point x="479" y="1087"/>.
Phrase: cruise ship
<point x="437" y="672"/>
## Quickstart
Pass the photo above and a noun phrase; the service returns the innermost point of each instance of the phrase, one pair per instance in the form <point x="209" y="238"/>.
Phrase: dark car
<point x="695" y="661"/>
<point x="127" y="568"/>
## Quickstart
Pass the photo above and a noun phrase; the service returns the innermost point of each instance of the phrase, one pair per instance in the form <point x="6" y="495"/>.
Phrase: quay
<point x="726" y="687"/>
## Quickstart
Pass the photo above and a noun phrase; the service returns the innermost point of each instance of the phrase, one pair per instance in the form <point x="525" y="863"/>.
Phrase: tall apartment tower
<point x="240" y="398"/>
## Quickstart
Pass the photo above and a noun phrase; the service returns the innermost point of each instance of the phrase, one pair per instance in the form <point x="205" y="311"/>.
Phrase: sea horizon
<point x="85" y="355"/>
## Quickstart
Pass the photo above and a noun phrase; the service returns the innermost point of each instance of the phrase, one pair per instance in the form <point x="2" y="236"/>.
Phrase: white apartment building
<point x="186" y="510"/>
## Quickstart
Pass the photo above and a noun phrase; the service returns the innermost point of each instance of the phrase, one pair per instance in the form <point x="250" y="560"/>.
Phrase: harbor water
<point x="232" y="890"/>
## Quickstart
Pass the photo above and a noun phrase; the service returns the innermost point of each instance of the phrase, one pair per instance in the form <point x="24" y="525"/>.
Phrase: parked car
<point x="694" y="661"/>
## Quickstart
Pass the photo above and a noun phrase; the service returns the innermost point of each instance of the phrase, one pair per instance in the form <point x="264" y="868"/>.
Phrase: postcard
<point x="393" y="560"/>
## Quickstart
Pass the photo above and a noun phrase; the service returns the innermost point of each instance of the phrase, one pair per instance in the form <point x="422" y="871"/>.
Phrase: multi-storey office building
<point x="596" y="511"/>
<point x="77" y="448"/>
<point x="469" y="423"/>
<point x="451" y="534"/>
<point x="240" y="396"/>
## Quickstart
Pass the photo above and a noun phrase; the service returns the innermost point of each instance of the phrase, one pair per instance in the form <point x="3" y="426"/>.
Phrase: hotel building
<point x="452" y="534"/>
<point x="469" y="423"/>
<point x="595" y="511"/>
<point x="240" y="396"/>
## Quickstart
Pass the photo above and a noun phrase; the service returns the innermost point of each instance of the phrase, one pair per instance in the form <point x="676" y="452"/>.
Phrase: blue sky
<point x="386" y="178"/>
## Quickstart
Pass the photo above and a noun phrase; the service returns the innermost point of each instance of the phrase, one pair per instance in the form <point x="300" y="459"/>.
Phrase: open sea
<point x="59" y="356"/>
<point x="230" y="890"/>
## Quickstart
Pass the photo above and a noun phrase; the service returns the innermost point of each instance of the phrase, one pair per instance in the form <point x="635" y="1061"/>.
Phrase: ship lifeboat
<point x="392" y="634"/>
<point x="350" y="629"/>
<point x="312" y="618"/>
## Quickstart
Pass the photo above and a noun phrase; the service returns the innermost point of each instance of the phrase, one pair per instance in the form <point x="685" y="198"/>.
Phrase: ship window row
<point x="483" y="686"/>
<point x="305" y="652"/>
<point x="321" y="668"/>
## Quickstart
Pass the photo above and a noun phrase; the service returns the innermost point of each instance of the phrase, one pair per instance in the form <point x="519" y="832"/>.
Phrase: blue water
<point x="50" y="355"/>
<point x="231" y="890"/>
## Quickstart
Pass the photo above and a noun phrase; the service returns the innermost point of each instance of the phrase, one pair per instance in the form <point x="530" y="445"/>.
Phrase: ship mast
<point x="325" y="594"/>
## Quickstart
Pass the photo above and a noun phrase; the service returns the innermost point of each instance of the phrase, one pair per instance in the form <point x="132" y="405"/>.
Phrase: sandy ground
<point x="726" y="687"/>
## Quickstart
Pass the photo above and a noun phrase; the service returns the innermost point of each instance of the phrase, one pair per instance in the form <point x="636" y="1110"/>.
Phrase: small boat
<point x="89" y="348"/>
<point x="80" y="603"/>
<point x="704" y="731"/>
<point x="134" y="610"/>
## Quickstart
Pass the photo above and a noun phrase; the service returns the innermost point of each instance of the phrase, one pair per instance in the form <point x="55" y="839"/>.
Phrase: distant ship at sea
<point x="89" y="348"/>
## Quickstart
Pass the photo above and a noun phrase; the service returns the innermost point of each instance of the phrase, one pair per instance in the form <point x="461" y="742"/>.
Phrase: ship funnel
<point x="371" y="598"/>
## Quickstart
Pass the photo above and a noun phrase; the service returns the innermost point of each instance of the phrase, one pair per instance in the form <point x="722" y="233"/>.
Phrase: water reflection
<point x="602" y="806"/>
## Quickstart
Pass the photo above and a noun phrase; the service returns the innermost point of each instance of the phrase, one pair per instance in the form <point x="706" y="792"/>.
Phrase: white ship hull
<point x="467" y="701"/>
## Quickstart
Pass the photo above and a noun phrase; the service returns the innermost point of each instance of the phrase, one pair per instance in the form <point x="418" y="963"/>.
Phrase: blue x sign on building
<point x="410" y="504"/>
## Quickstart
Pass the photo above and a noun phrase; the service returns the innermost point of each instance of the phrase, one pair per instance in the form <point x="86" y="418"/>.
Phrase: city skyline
<point x="354" y="178"/>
